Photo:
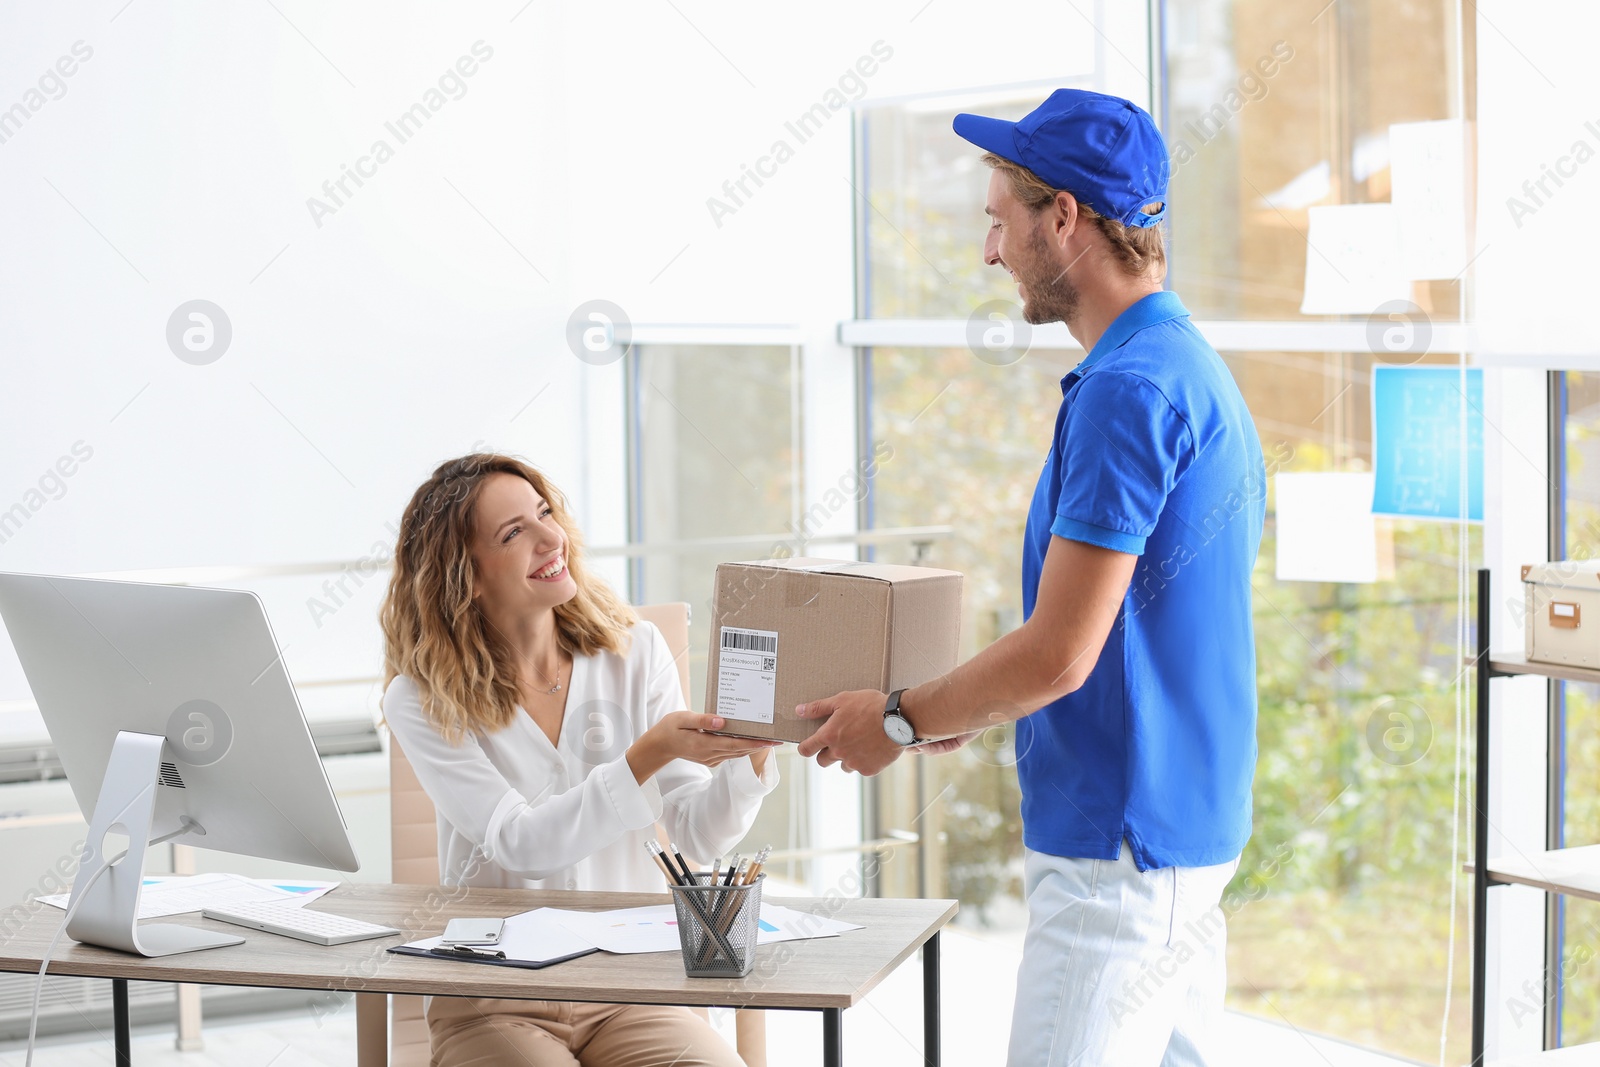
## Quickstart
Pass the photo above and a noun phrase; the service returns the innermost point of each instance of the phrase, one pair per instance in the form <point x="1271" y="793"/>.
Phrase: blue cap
<point x="1104" y="150"/>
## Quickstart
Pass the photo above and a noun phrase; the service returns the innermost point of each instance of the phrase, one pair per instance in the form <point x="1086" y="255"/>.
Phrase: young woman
<point x="543" y="721"/>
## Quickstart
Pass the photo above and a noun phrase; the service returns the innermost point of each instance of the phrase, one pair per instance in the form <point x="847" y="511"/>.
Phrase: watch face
<point x="899" y="729"/>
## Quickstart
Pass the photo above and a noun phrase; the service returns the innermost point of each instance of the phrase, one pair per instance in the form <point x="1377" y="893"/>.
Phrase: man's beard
<point x="1049" y="299"/>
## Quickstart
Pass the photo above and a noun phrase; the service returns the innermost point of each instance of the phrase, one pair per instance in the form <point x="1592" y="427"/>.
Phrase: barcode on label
<point x="749" y="642"/>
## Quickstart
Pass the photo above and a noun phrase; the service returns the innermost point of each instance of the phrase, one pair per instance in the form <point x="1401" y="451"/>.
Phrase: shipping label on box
<point x="788" y="631"/>
<point x="747" y="674"/>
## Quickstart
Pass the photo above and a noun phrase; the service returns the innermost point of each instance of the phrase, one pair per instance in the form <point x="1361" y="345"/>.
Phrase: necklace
<point x="556" y="688"/>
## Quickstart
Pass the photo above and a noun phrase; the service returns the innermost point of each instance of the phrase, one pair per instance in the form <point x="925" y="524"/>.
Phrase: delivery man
<point x="1132" y="680"/>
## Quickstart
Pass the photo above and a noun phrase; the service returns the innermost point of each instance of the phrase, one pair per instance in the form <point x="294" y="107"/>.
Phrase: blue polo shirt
<point x="1154" y="455"/>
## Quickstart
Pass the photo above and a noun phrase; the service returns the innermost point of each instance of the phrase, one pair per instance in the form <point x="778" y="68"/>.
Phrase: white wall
<point x="1539" y="122"/>
<point x="427" y="314"/>
<point x="405" y="328"/>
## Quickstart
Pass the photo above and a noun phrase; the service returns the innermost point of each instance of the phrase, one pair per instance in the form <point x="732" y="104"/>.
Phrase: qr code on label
<point x="770" y="663"/>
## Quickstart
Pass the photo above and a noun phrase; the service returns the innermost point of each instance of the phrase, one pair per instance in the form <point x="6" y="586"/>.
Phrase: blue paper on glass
<point x="1416" y="442"/>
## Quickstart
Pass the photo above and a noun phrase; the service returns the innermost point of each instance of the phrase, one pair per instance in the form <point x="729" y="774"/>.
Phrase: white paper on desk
<point x="1428" y="186"/>
<point x="179" y="894"/>
<point x="655" y="928"/>
<point x="1352" y="260"/>
<point x="796" y="925"/>
<point x="535" y="936"/>
<point x="303" y="891"/>
<point x="1325" y="528"/>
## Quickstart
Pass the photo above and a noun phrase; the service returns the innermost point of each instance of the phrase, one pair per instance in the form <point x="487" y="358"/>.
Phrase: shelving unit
<point x="1573" y="872"/>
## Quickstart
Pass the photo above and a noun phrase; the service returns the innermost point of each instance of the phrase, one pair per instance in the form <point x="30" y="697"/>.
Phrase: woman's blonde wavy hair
<point x="433" y="631"/>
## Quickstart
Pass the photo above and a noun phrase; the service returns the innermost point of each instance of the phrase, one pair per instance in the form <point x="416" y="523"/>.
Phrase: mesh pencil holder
<point x="717" y="927"/>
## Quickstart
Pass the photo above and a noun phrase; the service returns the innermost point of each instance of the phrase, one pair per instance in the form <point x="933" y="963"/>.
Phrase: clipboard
<point x="529" y="964"/>
<point x="531" y="940"/>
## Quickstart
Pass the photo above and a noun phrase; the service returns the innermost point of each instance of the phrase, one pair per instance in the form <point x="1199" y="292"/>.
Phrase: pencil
<point x="718" y="936"/>
<point x="661" y="861"/>
<point x="735" y="878"/>
<point x="755" y="868"/>
<point x="688" y="876"/>
<point x="726" y="912"/>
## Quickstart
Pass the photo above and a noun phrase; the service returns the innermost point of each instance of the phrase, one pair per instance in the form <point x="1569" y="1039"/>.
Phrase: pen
<point x="465" y="953"/>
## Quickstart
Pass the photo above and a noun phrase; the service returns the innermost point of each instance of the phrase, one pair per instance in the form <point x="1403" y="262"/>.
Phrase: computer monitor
<point x="175" y="720"/>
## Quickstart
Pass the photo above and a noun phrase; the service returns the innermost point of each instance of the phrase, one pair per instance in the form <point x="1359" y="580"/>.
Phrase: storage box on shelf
<point x="1556" y="597"/>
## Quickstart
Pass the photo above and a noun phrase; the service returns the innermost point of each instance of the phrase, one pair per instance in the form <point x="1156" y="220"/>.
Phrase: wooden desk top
<point x="829" y="972"/>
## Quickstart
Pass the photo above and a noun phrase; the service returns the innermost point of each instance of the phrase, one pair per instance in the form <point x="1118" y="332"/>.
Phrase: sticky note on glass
<point x="1325" y="528"/>
<point x="1419" y="415"/>
<point x="1352" y="260"/>
<point x="1428" y="186"/>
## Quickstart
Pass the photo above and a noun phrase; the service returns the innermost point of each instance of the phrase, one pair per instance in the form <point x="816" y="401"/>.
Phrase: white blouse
<point x="515" y="812"/>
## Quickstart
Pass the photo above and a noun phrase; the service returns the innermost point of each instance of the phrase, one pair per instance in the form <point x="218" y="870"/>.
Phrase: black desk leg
<point x="119" y="1018"/>
<point x="930" y="1001"/>
<point x="832" y="1037"/>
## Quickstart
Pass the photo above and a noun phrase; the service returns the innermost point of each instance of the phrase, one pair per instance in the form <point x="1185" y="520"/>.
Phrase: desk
<point x="823" y="974"/>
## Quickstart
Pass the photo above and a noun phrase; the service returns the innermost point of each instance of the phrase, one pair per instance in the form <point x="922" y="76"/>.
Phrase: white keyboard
<point x="317" y="927"/>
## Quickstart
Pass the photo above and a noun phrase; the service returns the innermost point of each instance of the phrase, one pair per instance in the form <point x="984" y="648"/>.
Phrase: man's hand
<point x="853" y="736"/>
<point x="944" y="744"/>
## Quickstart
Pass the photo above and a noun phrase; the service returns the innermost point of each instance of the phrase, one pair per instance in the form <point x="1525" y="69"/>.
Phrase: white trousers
<point x="1121" y="968"/>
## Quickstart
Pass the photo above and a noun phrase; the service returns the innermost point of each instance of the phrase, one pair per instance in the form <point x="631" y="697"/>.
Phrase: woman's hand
<point x="683" y="735"/>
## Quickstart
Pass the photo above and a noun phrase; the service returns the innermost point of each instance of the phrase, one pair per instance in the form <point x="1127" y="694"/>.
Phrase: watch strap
<point x="892" y="707"/>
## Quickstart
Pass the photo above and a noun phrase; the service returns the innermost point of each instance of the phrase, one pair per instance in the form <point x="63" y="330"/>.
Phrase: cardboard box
<point x="1562" y="606"/>
<point x="787" y="631"/>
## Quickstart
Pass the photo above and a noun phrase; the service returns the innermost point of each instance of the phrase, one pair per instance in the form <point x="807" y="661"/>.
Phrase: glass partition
<point x="1338" y="918"/>
<point x="1272" y="108"/>
<point x="964" y="441"/>
<point x="1575" y="993"/>
<point x="715" y="454"/>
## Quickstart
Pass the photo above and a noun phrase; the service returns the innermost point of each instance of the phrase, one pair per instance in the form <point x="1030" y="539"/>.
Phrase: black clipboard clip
<point x="462" y="952"/>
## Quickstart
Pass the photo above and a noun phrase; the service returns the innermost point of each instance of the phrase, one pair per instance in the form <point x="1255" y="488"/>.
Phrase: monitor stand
<point x="108" y="912"/>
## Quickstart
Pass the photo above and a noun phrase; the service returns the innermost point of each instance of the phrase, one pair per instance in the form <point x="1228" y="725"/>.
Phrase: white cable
<point x="1460" y="709"/>
<point x="72" y="908"/>
<point x="1457" y="775"/>
<point x="38" y="986"/>
<point x="1460" y="718"/>
<point x="188" y="825"/>
<point x="1463" y="489"/>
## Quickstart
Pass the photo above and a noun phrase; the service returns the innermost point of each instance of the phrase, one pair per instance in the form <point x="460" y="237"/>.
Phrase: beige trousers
<point x="475" y="1032"/>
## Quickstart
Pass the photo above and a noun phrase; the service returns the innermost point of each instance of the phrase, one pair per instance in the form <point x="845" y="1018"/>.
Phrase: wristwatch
<point x="896" y="725"/>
